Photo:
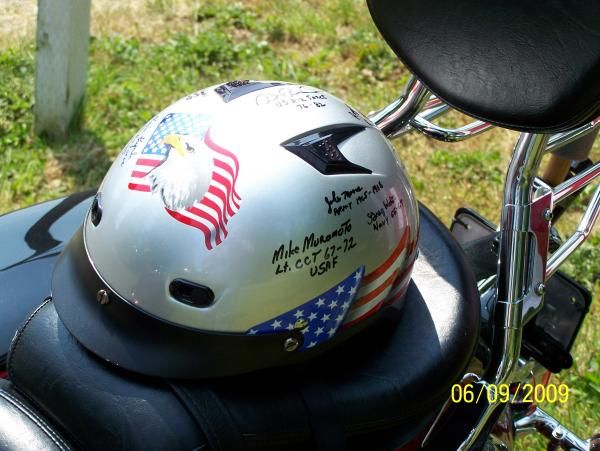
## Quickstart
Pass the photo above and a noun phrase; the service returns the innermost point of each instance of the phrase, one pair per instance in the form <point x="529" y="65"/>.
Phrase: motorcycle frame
<point x="523" y="265"/>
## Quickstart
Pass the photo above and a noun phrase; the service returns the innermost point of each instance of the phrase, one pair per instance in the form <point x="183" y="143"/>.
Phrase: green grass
<point x="177" y="47"/>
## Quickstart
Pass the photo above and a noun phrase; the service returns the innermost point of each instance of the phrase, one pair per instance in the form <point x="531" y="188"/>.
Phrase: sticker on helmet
<point x="321" y="317"/>
<point x="321" y="149"/>
<point x="237" y="88"/>
<point x="194" y="177"/>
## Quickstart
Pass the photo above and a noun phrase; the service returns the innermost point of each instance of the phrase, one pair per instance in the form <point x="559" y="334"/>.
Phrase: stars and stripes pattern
<point x="382" y="284"/>
<point x="400" y="286"/>
<point x="211" y="213"/>
<point x="320" y="318"/>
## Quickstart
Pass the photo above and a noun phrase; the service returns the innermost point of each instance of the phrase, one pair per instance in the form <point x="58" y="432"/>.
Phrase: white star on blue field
<point x="320" y="318"/>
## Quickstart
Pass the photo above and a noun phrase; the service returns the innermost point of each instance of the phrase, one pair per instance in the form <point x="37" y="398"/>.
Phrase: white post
<point x="62" y="35"/>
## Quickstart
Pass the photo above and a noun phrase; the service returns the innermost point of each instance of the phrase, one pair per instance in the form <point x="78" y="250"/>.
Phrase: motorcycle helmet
<point x="248" y="225"/>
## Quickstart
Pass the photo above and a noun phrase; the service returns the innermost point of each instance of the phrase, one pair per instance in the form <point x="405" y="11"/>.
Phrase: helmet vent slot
<point x="320" y="149"/>
<point x="191" y="293"/>
<point x="237" y="88"/>
<point x="96" y="210"/>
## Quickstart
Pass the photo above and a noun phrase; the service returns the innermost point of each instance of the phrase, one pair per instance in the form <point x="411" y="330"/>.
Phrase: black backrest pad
<point x="375" y="391"/>
<point x="531" y="65"/>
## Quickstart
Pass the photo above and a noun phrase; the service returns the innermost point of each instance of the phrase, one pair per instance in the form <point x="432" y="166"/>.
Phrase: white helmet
<point x="248" y="225"/>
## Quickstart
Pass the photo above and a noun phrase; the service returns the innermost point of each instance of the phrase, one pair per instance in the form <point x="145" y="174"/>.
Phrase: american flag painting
<point x="383" y="285"/>
<point x="211" y="212"/>
<point x="353" y="299"/>
<point x="321" y="317"/>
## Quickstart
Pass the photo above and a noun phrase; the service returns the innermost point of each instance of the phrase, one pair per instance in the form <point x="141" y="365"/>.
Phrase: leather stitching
<point x="16" y="340"/>
<point x="38" y="421"/>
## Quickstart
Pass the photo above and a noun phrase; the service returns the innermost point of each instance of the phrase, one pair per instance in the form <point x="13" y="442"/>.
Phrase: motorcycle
<point x="488" y="315"/>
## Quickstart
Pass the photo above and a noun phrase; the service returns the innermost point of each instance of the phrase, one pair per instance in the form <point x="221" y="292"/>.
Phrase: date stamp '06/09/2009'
<point x="538" y="393"/>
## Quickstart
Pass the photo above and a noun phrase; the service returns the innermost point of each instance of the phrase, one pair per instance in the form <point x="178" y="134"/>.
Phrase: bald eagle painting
<point x="193" y="176"/>
<point x="184" y="175"/>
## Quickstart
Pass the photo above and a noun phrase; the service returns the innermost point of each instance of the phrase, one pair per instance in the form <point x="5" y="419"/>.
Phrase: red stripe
<point x="221" y="164"/>
<point x="403" y="274"/>
<point x="209" y="218"/>
<point x="149" y="162"/>
<point x="191" y="222"/>
<point x="225" y="198"/>
<point x="227" y="184"/>
<point x="225" y="166"/>
<point x="364" y="316"/>
<point x="208" y="203"/>
<point x="139" y="174"/>
<point x="377" y="307"/>
<point x="376" y="292"/>
<point x="397" y="296"/>
<point x="3" y="375"/>
<point x="221" y="195"/>
<point x="413" y="246"/>
<point x="138" y="187"/>
<point x="214" y="146"/>
<point x="223" y="181"/>
<point x="212" y="204"/>
<point x="390" y="260"/>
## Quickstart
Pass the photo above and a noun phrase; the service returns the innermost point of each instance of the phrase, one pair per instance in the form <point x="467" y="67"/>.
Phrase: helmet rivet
<point x="547" y="214"/>
<point x="540" y="289"/>
<point x="102" y="297"/>
<point x="290" y="344"/>
<point x="301" y="324"/>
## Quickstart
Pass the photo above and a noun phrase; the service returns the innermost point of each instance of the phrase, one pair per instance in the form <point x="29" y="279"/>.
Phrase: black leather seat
<point x="530" y="65"/>
<point x="376" y="391"/>
<point x="22" y="428"/>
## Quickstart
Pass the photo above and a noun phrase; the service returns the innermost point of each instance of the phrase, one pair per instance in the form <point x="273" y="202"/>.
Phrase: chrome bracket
<point x="539" y="421"/>
<point x="538" y="215"/>
<point x="540" y="220"/>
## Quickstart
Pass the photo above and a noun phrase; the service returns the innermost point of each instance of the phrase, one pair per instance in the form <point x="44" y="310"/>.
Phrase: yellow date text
<point x="503" y="393"/>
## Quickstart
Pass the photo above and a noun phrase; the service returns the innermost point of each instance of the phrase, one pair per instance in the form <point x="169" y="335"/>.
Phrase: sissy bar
<point x="524" y="264"/>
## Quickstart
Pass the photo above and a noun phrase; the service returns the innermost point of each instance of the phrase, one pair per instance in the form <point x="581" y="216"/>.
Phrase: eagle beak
<point x="175" y="142"/>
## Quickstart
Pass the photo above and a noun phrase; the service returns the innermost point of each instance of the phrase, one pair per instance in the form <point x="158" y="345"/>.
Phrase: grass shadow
<point x="80" y="162"/>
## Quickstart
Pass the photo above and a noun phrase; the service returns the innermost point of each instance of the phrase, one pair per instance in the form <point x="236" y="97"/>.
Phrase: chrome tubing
<point x="515" y="254"/>
<point x="432" y="109"/>
<point x="468" y="377"/>
<point x="576" y="183"/>
<point x="540" y="421"/>
<point x="431" y="130"/>
<point x="514" y="266"/>
<point x="485" y="284"/>
<point x="422" y="123"/>
<point x="397" y="114"/>
<point x="583" y="231"/>
<point x="561" y="139"/>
